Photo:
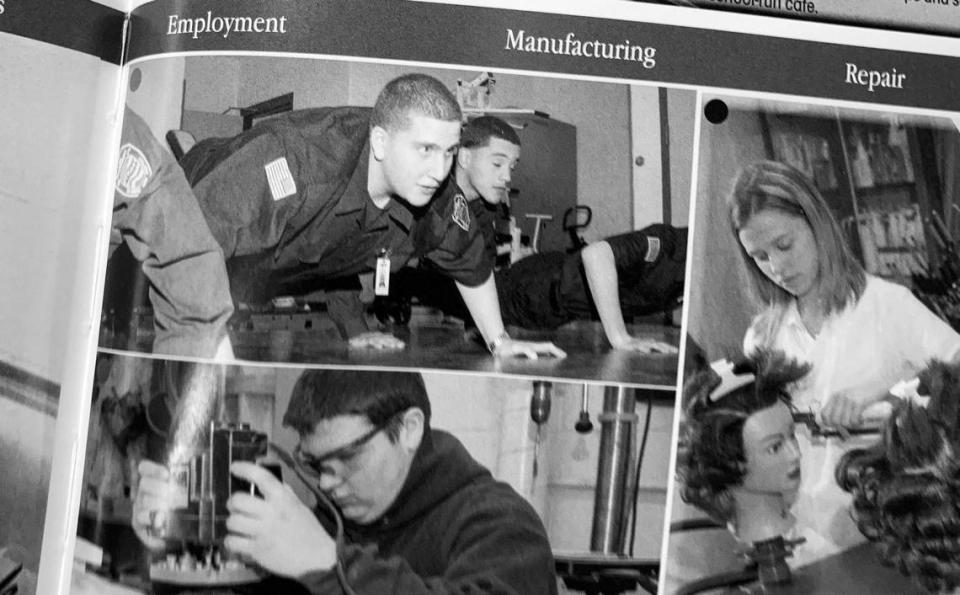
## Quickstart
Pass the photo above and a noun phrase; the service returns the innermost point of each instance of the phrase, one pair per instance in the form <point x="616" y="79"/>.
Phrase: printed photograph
<point x="816" y="442"/>
<point x="201" y="477"/>
<point x="318" y="211"/>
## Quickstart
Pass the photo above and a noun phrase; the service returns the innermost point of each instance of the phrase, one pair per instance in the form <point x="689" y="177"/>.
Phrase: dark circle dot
<point x="136" y="77"/>
<point x="716" y="111"/>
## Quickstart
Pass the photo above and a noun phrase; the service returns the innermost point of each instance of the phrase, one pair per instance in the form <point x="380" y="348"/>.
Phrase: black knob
<point x="583" y="425"/>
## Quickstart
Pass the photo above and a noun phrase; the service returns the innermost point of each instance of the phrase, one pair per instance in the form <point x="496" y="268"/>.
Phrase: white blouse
<point x="885" y="337"/>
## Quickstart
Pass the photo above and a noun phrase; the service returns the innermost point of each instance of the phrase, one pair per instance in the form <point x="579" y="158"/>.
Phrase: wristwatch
<point x="497" y="342"/>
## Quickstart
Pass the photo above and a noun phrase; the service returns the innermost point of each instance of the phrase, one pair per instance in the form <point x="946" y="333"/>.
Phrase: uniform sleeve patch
<point x="653" y="249"/>
<point x="133" y="171"/>
<point x="280" y="179"/>
<point x="461" y="212"/>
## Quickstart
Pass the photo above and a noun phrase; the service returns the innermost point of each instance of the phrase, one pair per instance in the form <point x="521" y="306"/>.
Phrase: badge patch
<point x="280" y="179"/>
<point x="133" y="171"/>
<point x="461" y="212"/>
<point x="381" y="284"/>
<point x="653" y="249"/>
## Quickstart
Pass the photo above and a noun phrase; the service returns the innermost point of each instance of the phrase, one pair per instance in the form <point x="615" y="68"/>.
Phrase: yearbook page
<point x="939" y="17"/>
<point x="59" y="80"/>
<point x="397" y="295"/>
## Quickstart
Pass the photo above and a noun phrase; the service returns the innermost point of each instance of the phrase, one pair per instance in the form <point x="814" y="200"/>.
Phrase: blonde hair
<point x="777" y="186"/>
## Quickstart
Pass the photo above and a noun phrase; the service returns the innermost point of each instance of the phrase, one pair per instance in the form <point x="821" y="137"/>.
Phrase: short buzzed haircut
<point x="380" y="396"/>
<point x="478" y="132"/>
<point x="419" y="94"/>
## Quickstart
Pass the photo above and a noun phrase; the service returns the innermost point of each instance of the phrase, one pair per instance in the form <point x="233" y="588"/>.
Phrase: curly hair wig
<point x="906" y="488"/>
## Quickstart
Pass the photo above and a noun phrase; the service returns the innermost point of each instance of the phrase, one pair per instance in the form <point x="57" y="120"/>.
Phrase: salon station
<point x="842" y="259"/>
<point x="597" y="160"/>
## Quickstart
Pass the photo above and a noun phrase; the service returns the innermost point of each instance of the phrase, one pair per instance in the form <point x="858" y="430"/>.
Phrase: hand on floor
<point x="644" y="345"/>
<point x="376" y="341"/>
<point x="528" y="349"/>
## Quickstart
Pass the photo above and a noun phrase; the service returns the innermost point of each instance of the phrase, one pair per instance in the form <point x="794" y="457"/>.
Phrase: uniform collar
<point x="358" y="200"/>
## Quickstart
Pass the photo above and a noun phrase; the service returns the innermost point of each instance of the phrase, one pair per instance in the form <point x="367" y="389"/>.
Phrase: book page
<point x="927" y="16"/>
<point x="60" y="81"/>
<point x="380" y="253"/>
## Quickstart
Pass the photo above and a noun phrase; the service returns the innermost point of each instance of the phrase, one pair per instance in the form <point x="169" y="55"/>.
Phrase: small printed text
<point x="806" y="7"/>
<point x="934" y="2"/>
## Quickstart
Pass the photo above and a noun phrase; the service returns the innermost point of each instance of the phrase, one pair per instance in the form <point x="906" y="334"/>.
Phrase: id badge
<point x="381" y="283"/>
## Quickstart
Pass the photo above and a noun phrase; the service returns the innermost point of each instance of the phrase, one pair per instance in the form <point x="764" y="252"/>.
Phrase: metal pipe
<point x="611" y="505"/>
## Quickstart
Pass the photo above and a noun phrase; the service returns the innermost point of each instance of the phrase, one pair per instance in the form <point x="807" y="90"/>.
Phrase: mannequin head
<point x="740" y="442"/>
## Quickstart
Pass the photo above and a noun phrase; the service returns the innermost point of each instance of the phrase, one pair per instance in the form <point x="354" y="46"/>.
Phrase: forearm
<point x="602" y="279"/>
<point x="484" y="307"/>
<point x="347" y="312"/>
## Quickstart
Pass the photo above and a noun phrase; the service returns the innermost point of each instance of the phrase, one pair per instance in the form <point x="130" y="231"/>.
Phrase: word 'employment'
<point x="224" y="25"/>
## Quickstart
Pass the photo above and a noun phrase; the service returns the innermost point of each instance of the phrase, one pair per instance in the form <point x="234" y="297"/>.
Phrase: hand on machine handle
<point x="153" y="500"/>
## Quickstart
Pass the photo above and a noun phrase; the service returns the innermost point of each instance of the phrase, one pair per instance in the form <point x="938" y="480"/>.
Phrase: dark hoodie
<point x="452" y="529"/>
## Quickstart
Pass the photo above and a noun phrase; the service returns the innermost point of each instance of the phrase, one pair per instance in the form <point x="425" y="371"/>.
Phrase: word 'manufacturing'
<point x="224" y="25"/>
<point x="570" y="45"/>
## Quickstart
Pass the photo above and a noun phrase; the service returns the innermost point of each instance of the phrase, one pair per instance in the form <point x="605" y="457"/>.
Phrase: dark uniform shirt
<point x="549" y="289"/>
<point x="287" y="200"/>
<point x="430" y="287"/>
<point x="157" y="216"/>
<point x="485" y="215"/>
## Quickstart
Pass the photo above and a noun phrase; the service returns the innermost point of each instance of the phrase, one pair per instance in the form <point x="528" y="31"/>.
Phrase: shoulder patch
<point x="133" y="171"/>
<point x="653" y="249"/>
<point x="280" y="179"/>
<point x="461" y="212"/>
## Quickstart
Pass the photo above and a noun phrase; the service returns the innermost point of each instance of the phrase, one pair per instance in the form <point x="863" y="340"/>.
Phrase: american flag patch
<point x="653" y="249"/>
<point x="280" y="179"/>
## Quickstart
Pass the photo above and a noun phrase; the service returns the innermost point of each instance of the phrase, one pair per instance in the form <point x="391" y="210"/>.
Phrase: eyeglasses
<point x="347" y="456"/>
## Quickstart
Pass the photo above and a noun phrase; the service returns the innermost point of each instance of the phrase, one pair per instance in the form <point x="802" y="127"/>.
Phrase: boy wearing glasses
<point x="420" y="515"/>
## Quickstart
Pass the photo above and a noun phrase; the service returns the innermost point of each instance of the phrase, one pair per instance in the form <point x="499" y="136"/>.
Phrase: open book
<point x="228" y="228"/>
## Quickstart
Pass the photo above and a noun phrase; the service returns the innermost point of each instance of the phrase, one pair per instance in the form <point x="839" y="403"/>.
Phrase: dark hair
<point x="413" y="94"/>
<point x="906" y="488"/>
<point x="380" y="396"/>
<point x="714" y="460"/>
<point x="478" y="131"/>
<point x="778" y="186"/>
